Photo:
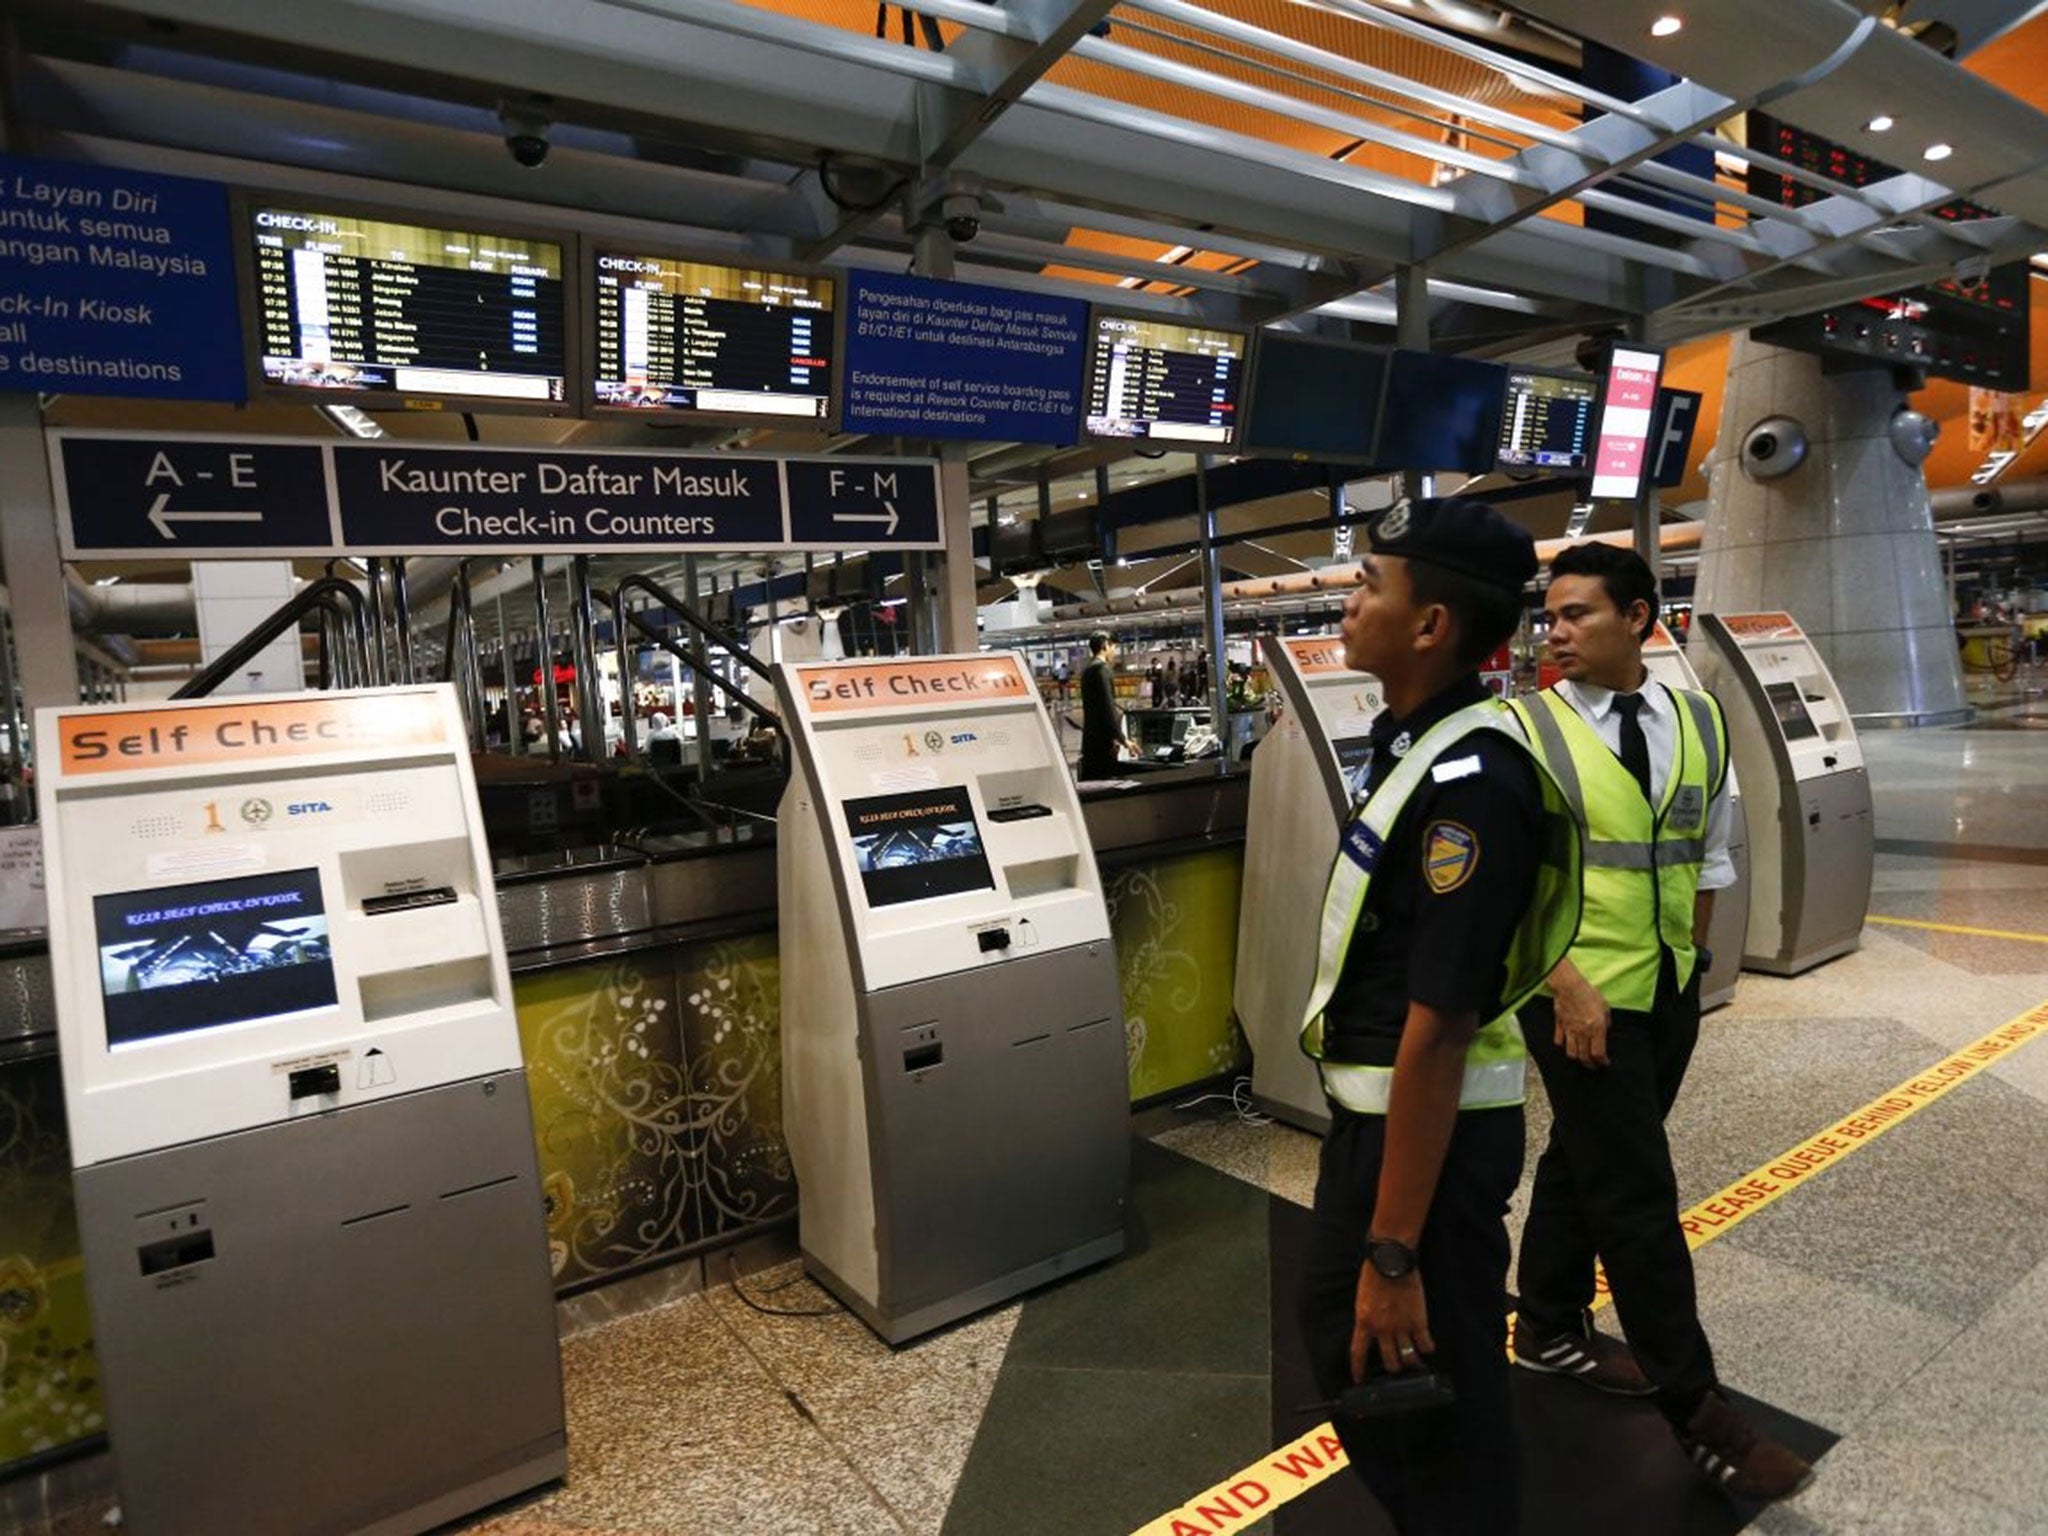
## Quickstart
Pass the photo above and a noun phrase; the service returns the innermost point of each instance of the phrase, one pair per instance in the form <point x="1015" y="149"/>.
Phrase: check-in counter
<point x="647" y="985"/>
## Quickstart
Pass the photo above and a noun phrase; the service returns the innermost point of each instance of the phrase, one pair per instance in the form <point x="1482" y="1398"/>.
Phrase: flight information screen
<point x="705" y="339"/>
<point x="363" y="305"/>
<point x="1157" y="379"/>
<point x="1548" y="423"/>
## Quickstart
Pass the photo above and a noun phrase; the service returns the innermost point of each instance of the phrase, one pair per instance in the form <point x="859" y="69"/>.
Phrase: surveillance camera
<point x="1773" y="447"/>
<point x="526" y="135"/>
<point x="961" y="214"/>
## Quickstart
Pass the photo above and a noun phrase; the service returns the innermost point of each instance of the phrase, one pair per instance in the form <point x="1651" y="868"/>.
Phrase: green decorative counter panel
<point x="1174" y="921"/>
<point x="49" y="1377"/>
<point x="656" y="1079"/>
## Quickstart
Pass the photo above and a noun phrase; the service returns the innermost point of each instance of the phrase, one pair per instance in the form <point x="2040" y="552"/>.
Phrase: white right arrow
<point x="160" y="519"/>
<point x="887" y="516"/>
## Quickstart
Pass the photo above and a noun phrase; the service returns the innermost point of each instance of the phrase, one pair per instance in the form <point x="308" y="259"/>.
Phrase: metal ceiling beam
<point x="996" y="68"/>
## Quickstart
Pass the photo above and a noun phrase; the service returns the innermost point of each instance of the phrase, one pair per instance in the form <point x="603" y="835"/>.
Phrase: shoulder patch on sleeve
<point x="1457" y="768"/>
<point x="1449" y="855"/>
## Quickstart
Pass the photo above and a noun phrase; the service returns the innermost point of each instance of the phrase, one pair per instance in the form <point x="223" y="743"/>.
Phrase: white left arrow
<point x="161" y="519"/>
<point x="886" y="516"/>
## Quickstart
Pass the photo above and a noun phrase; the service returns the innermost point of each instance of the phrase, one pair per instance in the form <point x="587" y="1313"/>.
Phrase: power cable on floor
<point x="1239" y="1099"/>
<point x="732" y="1261"/>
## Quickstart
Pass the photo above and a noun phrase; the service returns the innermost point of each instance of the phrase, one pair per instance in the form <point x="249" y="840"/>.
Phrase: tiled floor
<point x="1897" y="1299"/>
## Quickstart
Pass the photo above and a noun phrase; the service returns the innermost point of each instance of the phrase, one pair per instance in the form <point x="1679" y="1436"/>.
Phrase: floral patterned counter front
<point x="49" y="1388"/>
<point x="657" y="1084"/>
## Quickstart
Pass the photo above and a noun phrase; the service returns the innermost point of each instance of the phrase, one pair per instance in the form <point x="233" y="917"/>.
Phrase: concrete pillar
<point x="1843" y="541"/>
<point x="232" y="597"/>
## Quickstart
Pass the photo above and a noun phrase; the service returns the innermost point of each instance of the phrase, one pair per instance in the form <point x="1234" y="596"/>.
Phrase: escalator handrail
<point x="690" y="616"/>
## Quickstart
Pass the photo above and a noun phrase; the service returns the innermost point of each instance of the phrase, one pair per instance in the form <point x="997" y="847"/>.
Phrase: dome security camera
<point x="1773" y="448"/>
<point x="961" y="214"/>
<point x="526" y="135"/>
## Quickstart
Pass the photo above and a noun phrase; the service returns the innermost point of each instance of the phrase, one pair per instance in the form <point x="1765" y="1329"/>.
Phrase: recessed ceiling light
<point x="1665" y="26"/>
<point x="1939" y="151"/>
<point x="1879" y="124"/>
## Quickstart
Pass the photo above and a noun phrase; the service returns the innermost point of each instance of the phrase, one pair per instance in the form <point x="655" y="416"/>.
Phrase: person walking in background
<point x="1646" y="768"/>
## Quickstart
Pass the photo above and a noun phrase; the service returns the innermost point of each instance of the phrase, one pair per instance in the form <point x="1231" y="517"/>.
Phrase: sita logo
<point x="308" y="808"/>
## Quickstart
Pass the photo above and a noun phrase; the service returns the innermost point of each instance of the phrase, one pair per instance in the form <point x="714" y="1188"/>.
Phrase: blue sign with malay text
<point x="961" y="360"/>
<point x="116" y="282"/>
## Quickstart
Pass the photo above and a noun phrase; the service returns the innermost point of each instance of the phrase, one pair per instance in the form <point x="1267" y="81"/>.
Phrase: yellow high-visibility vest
<point x="1642" y="861"/>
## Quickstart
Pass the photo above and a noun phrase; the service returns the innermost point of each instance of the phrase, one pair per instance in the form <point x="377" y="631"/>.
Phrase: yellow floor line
<point x="1286" y="1474"/>
<point x="1975" y="933"/>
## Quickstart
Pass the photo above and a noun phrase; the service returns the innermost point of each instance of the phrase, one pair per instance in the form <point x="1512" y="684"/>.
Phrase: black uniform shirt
<point x="1451" y="885"/>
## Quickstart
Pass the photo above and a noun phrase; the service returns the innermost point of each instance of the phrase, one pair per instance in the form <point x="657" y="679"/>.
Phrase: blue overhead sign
<point x="397" y="499"/>
<point x="116" y="283"/>
<point x="860" y="504"/>
<point x="134" y="497"/>
<point x="190" y="496"/>
<point x="962" y="360"/>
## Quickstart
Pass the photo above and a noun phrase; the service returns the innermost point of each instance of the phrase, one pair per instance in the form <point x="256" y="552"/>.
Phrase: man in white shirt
<point x="1646" y="768"/>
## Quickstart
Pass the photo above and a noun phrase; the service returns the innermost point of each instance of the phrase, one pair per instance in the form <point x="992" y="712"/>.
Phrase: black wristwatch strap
<point x="1393" y="1259"/>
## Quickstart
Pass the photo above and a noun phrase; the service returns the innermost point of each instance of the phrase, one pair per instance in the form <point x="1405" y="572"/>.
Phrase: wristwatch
<point x="1394" y="1260"/>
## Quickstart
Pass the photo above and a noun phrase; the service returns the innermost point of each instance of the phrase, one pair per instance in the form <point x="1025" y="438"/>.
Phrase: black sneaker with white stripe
<point x="1738" y="1458"/>
<point x="1592" y="1359"/>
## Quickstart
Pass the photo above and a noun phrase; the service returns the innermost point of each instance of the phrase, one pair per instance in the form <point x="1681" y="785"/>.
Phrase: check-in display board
<point x="1165" y="381"/>
<point x="375" y="308"/>
<point x="673" y="335"/>
<point x="1548" y="423"/>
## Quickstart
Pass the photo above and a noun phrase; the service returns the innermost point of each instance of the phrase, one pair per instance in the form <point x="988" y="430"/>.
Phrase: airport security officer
<point x="1646" y="768"/>
<point x="1454" y="893"/>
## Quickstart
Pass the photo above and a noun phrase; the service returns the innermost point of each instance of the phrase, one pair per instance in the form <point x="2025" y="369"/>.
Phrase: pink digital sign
<point x="1627" y="402"/>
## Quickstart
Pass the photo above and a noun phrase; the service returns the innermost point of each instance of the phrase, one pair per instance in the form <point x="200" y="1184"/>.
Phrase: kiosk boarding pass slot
<point x="264" y="909"/>
<point x="958" y="831"/>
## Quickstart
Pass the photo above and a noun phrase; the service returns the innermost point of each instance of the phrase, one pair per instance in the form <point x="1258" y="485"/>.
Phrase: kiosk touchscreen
<point x="954" y="1085"/>
<point x="1729" y="927"/>
<point x="304" y="1164"/>
<point x="1305" y="776"/>
<point x="1813" y="839"/>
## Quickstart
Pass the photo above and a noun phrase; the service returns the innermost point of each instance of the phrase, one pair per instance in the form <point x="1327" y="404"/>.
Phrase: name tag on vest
<point x="1687" y="806"/>
<point x="1361" y="845"/>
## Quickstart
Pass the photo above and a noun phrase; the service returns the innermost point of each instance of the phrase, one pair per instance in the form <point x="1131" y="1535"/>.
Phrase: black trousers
<point x="1604" y="1186"/>
<point x="1451" y="1470"/>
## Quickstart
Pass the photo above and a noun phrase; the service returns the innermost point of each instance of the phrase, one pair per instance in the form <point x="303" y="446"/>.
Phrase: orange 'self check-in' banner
<point x="1229" y="1505"/>
<point x="1762" y="626"/>
<point x="861" y="687"/>
<point x="255" y="731"/>
<point x="1317" y="656"/>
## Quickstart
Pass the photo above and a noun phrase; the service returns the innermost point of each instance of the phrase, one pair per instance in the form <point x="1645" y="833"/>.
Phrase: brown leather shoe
<point x="1604" y="1364"/>
<point x="1738" y="1458"/>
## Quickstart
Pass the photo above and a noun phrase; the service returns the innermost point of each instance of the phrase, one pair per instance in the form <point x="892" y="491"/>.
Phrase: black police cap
<point x="1460" y="535"/>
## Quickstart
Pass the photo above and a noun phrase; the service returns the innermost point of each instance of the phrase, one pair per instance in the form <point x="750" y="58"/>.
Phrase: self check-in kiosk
<point x="304" y="1161"/>
<point x="1812" y="837"/>
<point x="1305" y="776"/>
<point x="1729" y="927"/>
<point x="954" y="1083"/>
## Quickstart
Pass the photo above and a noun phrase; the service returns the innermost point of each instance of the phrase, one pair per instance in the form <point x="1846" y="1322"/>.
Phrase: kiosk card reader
<point x="1813" y="843"/>
<point x="304" y="1163"/>
<point x="953" y="1074"/>
<point x="1729" y="927"/>
<point x="1305" y="776"/>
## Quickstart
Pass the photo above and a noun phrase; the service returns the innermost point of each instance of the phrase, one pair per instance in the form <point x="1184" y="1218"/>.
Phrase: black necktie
<point x="1635" y="747"/>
